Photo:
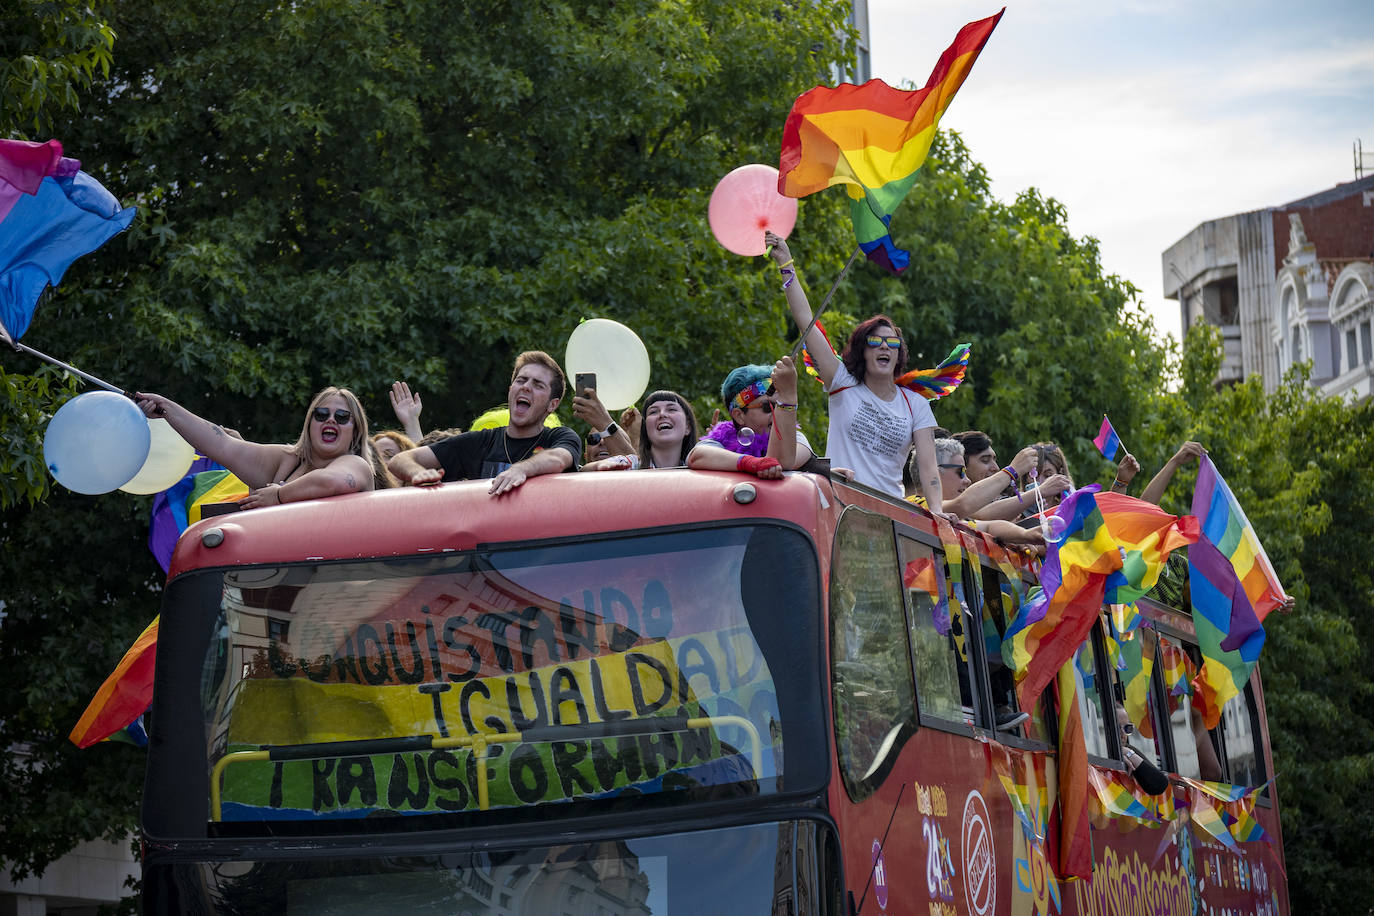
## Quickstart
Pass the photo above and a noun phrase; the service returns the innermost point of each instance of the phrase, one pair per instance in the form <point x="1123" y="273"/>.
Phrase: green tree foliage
<point x="50" y="50"/>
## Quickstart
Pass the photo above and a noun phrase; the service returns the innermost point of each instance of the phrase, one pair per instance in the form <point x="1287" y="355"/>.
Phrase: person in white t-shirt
<point x="873" y="421"/>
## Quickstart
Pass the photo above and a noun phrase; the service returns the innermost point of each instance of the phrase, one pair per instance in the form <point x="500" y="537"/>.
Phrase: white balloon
<point x="615" y="354"/>
<point x="96" y="442"/>
<point x="169" y="458"/>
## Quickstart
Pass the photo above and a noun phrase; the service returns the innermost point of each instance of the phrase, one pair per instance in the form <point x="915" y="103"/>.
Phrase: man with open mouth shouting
<point x="508" y="455"/>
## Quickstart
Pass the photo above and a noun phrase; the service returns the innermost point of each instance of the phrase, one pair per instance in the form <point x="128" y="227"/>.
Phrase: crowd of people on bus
<point x="881" y="435"/>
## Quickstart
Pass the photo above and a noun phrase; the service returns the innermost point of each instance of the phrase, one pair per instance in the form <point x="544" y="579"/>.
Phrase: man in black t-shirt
<point x="508" y="456"/>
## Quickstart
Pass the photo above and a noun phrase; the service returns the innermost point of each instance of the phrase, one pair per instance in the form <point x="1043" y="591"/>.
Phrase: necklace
<point x="505" y="443"/>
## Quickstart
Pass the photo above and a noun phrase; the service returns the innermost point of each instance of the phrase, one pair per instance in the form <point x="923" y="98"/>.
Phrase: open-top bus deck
<point x="646" y="692"/>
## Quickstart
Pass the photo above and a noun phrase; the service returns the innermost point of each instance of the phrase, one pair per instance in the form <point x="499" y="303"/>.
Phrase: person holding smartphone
<point x="605" y="433"/>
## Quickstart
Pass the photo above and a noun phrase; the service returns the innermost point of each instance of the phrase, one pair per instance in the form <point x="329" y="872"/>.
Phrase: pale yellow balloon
<point x="169" y="458"/>
<point x="617" y="356"/>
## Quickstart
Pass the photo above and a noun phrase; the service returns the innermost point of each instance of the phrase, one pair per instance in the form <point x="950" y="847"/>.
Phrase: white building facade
<point x="1285" y="285"/>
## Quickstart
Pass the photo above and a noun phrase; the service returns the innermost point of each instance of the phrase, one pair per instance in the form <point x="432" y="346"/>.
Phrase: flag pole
<point x="22" y="348"/>
<point x="817" y="317"/>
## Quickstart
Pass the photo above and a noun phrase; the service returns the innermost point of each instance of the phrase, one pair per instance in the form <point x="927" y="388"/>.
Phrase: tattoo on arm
<point x="351" y="481"/>
<point x="218" y="430"/>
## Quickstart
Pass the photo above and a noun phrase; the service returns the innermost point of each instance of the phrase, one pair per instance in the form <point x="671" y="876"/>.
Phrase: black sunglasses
<point x="963" y="472"/>
<point x="341" y="416"/>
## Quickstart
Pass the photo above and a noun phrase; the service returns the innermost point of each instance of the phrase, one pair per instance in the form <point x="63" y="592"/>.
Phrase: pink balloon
<point x="744" y="204"/>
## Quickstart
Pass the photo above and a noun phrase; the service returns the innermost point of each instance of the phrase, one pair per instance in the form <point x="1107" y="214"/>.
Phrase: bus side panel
<point x="948" y="848"/>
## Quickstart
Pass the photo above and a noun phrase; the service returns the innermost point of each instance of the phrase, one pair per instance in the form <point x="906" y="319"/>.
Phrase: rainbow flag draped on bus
<point x="1112" y="551"/>
<point x="1233" y="588"/>
<point x="874" y="139"/>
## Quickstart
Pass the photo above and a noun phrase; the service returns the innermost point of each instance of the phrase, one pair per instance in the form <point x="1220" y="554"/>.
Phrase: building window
<point x="1365" y="347"/>
<point x="1352" y="355"/>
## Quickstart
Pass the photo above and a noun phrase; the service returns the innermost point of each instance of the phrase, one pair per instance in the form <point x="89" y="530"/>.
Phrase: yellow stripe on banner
<point x="659" y="676"/>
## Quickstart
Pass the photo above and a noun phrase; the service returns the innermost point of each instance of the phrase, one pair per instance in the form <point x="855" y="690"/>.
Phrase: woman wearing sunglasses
<point x="873" y="421"/>
<point x="332" y="455"/>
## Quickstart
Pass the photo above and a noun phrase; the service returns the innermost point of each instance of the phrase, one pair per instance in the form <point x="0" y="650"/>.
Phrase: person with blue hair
<point x="761" y="436"/>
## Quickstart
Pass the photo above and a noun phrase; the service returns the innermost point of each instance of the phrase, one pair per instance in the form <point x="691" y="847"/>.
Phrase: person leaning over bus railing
<point x="666" y="436"/>
<point x="954" y="480"/>
<point x="873" y="421"/>
<point x="508" y="455"/>
<point x="762" y="401"/>
<point x="332" y="455"/>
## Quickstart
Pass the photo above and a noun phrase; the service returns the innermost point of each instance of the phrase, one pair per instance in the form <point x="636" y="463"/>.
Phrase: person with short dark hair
<point x="508" y="455"/>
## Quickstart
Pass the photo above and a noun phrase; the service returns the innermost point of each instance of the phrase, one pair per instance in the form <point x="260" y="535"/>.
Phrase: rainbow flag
<point x="124" y="696"/>
<point x="1113" y="550"/>
<point x="1238" y="595"/>
<point x="1233" y="588"/>
<point x="1138" y="661"/>
<point x="51" y="213"/>
<point x="1115" y="797"/>
<point x="1146" y="535"/>
<point x="1178" y="670"/>
<point x="1125" y="620"/>
<point x="933" y="384"/>
<point x="1075" y="841"/>
<point x="873" y="139"/>
<point x="1207" y="814"/>
<point x="179" y="506"/>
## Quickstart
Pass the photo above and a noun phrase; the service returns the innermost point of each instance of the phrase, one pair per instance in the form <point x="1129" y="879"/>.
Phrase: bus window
<point x="667" y="663"/>
<point x="941" y="686"/>
<point x="875" y="702"/>
<point x="1239" y="731"/>
<point x="998" y="605"/>
<point x="1090" y="706"/>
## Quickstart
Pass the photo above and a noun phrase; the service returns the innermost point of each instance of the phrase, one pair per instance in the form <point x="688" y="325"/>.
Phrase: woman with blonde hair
<point x="332" y="455"/>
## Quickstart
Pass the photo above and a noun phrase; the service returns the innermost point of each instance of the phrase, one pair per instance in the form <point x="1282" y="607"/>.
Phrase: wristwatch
<point x="610" y="430"/>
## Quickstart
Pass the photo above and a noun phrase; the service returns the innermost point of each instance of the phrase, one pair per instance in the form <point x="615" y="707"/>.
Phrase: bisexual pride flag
<point x="51" y="213"/>
<point x="873" y="139"/>
<point x="1106" y="440"/>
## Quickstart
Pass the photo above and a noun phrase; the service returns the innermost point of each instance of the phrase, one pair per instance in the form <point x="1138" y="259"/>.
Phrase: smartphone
<point x="582" y="381"/>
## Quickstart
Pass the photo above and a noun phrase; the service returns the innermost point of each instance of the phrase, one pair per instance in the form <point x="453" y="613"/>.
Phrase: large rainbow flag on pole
<point x="1233" y="588"/>
<point x="873" y="139"/>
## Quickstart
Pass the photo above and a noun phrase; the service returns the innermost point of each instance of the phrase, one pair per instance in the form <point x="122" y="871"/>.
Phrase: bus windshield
<point x="680" y="663"/>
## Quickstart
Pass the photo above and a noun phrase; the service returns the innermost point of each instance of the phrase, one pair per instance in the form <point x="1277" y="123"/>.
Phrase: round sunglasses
<point x="341" y="416"/>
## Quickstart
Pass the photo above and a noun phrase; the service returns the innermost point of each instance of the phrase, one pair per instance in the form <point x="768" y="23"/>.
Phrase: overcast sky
<point x="1147" y="118"/>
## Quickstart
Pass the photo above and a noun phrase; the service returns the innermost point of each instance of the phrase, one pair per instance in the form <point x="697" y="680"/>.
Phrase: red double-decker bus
<point x="645" y="692"/>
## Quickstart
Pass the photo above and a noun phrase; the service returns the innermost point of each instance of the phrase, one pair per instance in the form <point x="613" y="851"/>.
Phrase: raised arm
<point x="252" y="462"/>
<point x="407" y="407"/>
<point x="1154" y="490"/>
<point x="827" y="363"/>
<point x="782" y="439"/>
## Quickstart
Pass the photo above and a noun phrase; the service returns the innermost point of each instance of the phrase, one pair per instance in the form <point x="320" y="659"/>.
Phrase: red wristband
<point x="751" y="465"/>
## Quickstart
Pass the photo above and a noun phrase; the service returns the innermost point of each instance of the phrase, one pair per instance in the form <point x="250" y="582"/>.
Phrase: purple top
<point x="724" y="435"/>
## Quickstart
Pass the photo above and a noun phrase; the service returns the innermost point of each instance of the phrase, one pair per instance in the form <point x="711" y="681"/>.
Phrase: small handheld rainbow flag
<point x="1106" y="440"/>
<point x="933" y="384"/>
<point x="874" y="139"/>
